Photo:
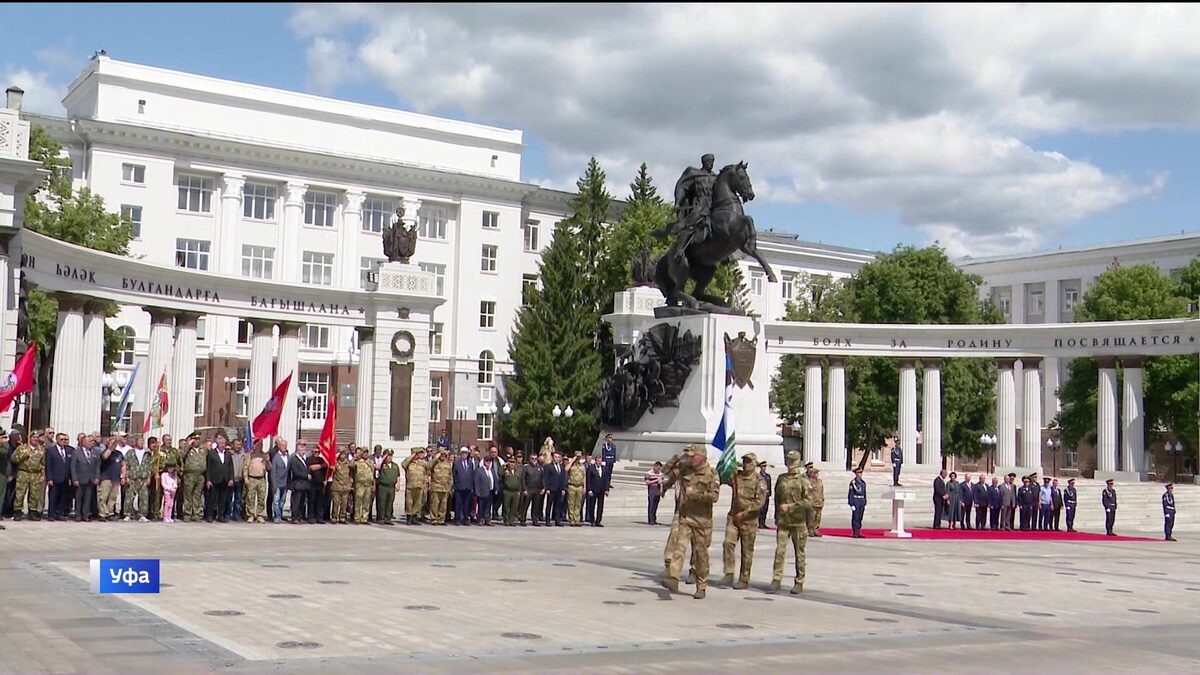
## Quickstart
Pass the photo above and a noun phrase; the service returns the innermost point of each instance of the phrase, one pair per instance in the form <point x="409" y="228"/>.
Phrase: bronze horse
<point x="731" y="230"/>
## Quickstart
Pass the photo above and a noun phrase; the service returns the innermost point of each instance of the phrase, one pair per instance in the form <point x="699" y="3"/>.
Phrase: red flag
<point x="20" y="380"/>
<point x="158" y="405"/>
<point x="326" y="444"/>
<point x="267" y="422"/>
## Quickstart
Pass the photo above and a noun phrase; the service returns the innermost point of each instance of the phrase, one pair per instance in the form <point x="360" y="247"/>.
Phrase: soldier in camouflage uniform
<point x="30" y="461"/>
<point x="818" y="500"/>
<point x="575" y="480"/>
<point x="674" y="469"/>
<point x="698" y="491"/>
<point x="511" y="483"/>
<point x="195" y="463"/>
<point x="254" y="483"/>
<point x="416" y="480"/>
<point x="137" y="484"/>
<point x="742" y="524"/>
<point x="343" y="484"/>
<point x="167" y="454"/>
<point x="441" y="477"/>
<point x="792" y="501"/>
<point x="385" y="488"/>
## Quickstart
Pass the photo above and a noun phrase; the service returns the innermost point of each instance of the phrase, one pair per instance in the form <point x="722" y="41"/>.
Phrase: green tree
<point x="56" y="210"/>
<point x="1136" y="293"/>
<point x="644" y="212"/>
<point x="554" y="345"/>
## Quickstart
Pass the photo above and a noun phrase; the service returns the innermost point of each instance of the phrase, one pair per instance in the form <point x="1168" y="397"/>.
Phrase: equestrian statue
<point x="710" y="227"/>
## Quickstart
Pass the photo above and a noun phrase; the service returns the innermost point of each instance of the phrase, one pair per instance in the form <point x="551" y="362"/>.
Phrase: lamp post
<point x="1053" y="445"/>
<point x="1175" y="449"/>
<point x="559" y="412"/>
<point x="989" y="443"/>
<point x="110" y="394"/>
<point x="231" y="388"/>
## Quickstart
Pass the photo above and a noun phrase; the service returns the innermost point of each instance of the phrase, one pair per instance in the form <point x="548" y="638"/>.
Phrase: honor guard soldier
<point x="742" y="522"/>
<point x="1108" y="499"/>
<point x="1070" y="501"/>
<point x="857" y="498"/>
<point x="1168" y="501"/>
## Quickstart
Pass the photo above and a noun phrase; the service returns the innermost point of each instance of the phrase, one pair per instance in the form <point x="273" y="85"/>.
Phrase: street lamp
<point x="1177" y="450"/>
<point x="989" y="443"/>
<point x="107" y="386"/>
<point x="1053" y="444"/>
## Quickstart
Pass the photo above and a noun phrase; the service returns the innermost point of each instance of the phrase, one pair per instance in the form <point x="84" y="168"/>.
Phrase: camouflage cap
<point x="749" y="458"/>
<point x="792" y="459"/>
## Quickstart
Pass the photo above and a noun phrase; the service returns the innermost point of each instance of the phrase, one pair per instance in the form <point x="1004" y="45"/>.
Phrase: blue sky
<point x="1134" y="178"/>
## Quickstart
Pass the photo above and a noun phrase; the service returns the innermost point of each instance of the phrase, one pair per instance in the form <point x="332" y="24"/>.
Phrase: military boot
<point x="797" y="588"/>
<point x="776" y="585"/>
<point x="670" y="583"/>
<point x="742" y="584"/>
<point x="691" y="578"/>
<point x="699" y="594"/>
<point x="727" y="579"/>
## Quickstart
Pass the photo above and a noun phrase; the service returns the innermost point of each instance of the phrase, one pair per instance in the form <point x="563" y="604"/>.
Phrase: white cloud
<point x="926" y="112"/>
<point x="43" y="94"/>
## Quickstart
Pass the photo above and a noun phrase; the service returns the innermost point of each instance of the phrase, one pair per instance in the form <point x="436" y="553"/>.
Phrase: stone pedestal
<point x="666" y="431"/>
<point x="899" y="499"/>
<point x="398" y="355"/>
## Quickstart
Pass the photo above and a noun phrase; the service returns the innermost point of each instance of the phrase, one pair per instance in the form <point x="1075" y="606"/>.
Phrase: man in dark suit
<point x="1056" y="504"/>
<point x="485" y="488"/>
<point x="58" y="476"/>
<point x="85" y="476"/>
<point x="299" y="483"/>
<point x="981" y="503"/>
<point x="939" y="499"/>
<point x="218" y="480"/>
<point x="278" y="474"/>
<point x="1027" y="497"/>
<point x="554" y="481"/>
<point x="995" y="503"/>
<point x="593" y="490"/>
<point x="1008" y="502"/>
<point x="463" y="478"/>
<point x="967" y="501"/>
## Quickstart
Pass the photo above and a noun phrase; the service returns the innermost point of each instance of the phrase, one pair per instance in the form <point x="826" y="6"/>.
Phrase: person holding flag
<point x="159" y="404"/>
<point x="20" y="380"/>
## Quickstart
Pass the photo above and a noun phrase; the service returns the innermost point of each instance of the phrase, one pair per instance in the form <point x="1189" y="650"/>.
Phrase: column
<point x="228" y="258"/>
<point x="835" y="420"/>
<point x="1006" y="414"/>
<point x="931" y="413"/>
<point x="812" y="409"/>
<point x="181" y="412"/>
<point x="1106" y="415"/>
<point x="908" y="410"/>
<point x="366" y="372"/>
<point x="287" y="255"/>
<point x="91" y="368"/>
<point x="289" y="362"/>
<point x="1133" y="418"/>
<point x="65" y="396"/>
<point x="158" y="360"/>
<point x="262" y="355"/>
<point x="9" y="288"/>
<point x="1031" y="415"/>
<point x="347" y="251"/>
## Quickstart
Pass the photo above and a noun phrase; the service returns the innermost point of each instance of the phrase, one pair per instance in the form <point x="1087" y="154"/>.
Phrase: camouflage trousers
<point x="337" y="511"/>
<point x="814" y="519"/>
<point x="137" y="496"/>
<point x="414" y="501"/>
<point x="673" y="552"/>
<point x="31" y="486"/>
<point x="699" y="534"/>
<point x="799" y="537"/>
<point x="745" y="533"/>
<point x="255" y="498"/>
<point x="437" y="506"/>
<point x="155" y="510"/>
<point x="574" y="503"/>
<point x="193" y="496"/>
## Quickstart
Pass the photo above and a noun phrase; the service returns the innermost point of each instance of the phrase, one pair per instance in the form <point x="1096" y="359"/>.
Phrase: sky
<point x="986" y="129"/>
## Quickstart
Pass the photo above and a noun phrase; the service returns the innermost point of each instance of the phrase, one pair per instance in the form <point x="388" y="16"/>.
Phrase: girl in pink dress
<point x="170" y="483"/>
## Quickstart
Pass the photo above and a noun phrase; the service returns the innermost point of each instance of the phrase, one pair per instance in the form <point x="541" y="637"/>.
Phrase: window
<point x="258" y="201"/>
<point x="245" y="332"/>
<point x="439" y="276"/>
<point x="133" y="173"/>
<point x="487" y="367"/>
<point x="491" y="220"/>
<point x="317" y="268"/>
<point x="531" y="235"/>
<point x="191" y="254"/>
<point x="1071" y="457"/>
<point x="431" y="222"/>
<point x="1005" y="305"/>
<point x="529" y="288"/>
<point x="200" y="391"/>
<point x="435" y="399"/>
<point x="435" y="339"/>
<point x="757" y="279"/>
<point x="313" y="408"/>
<point x="483" y="427"/>
<point x="789" y="286"/>
<point x="195" y="193"/>
<point x="314" y="336"/>
<point x="134" y="215"/>
<point x="257" y="261"/>
<point x="487" y="314"/>
<point x="318" y="208"/>
<point x="242" y="393"/>
<point x="487" y="261"/>
<point x="366" y="266"/>
<point x="376" y="213"/>
<point x="1037" y="304"/>
<point x="125" y="354"/>
<point x="202" y="329"/>
<point x="1070" y="299"/>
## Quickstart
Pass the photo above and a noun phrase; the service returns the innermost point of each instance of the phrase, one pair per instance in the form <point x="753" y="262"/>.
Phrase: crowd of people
<point x="217" y="479"/>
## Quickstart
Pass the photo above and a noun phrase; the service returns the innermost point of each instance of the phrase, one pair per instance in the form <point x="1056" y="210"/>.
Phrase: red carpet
<point x="1014" y="535"/>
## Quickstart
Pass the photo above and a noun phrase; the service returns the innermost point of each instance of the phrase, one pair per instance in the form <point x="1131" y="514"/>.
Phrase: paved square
<point x="282" y="598"/>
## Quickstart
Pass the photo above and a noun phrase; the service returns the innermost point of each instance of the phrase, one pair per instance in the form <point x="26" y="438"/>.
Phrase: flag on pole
<point x="327" y="444"/>
<point x="123" y="406"/>
<point x="20" y="380"/>
<point x="159" y="403"/>
<point x="267" y="422"/>
<point x="247" y="436"/>
<point x="725" y="440"/>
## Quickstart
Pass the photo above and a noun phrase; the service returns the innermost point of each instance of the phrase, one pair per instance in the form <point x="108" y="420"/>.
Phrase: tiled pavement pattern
<point x="476" y="600"/>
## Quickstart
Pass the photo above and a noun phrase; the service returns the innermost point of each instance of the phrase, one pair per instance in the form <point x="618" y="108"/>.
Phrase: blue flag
<point x="725" y="440"/>
<point x="247" y="436"/>
<point x="123" y="406"/>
